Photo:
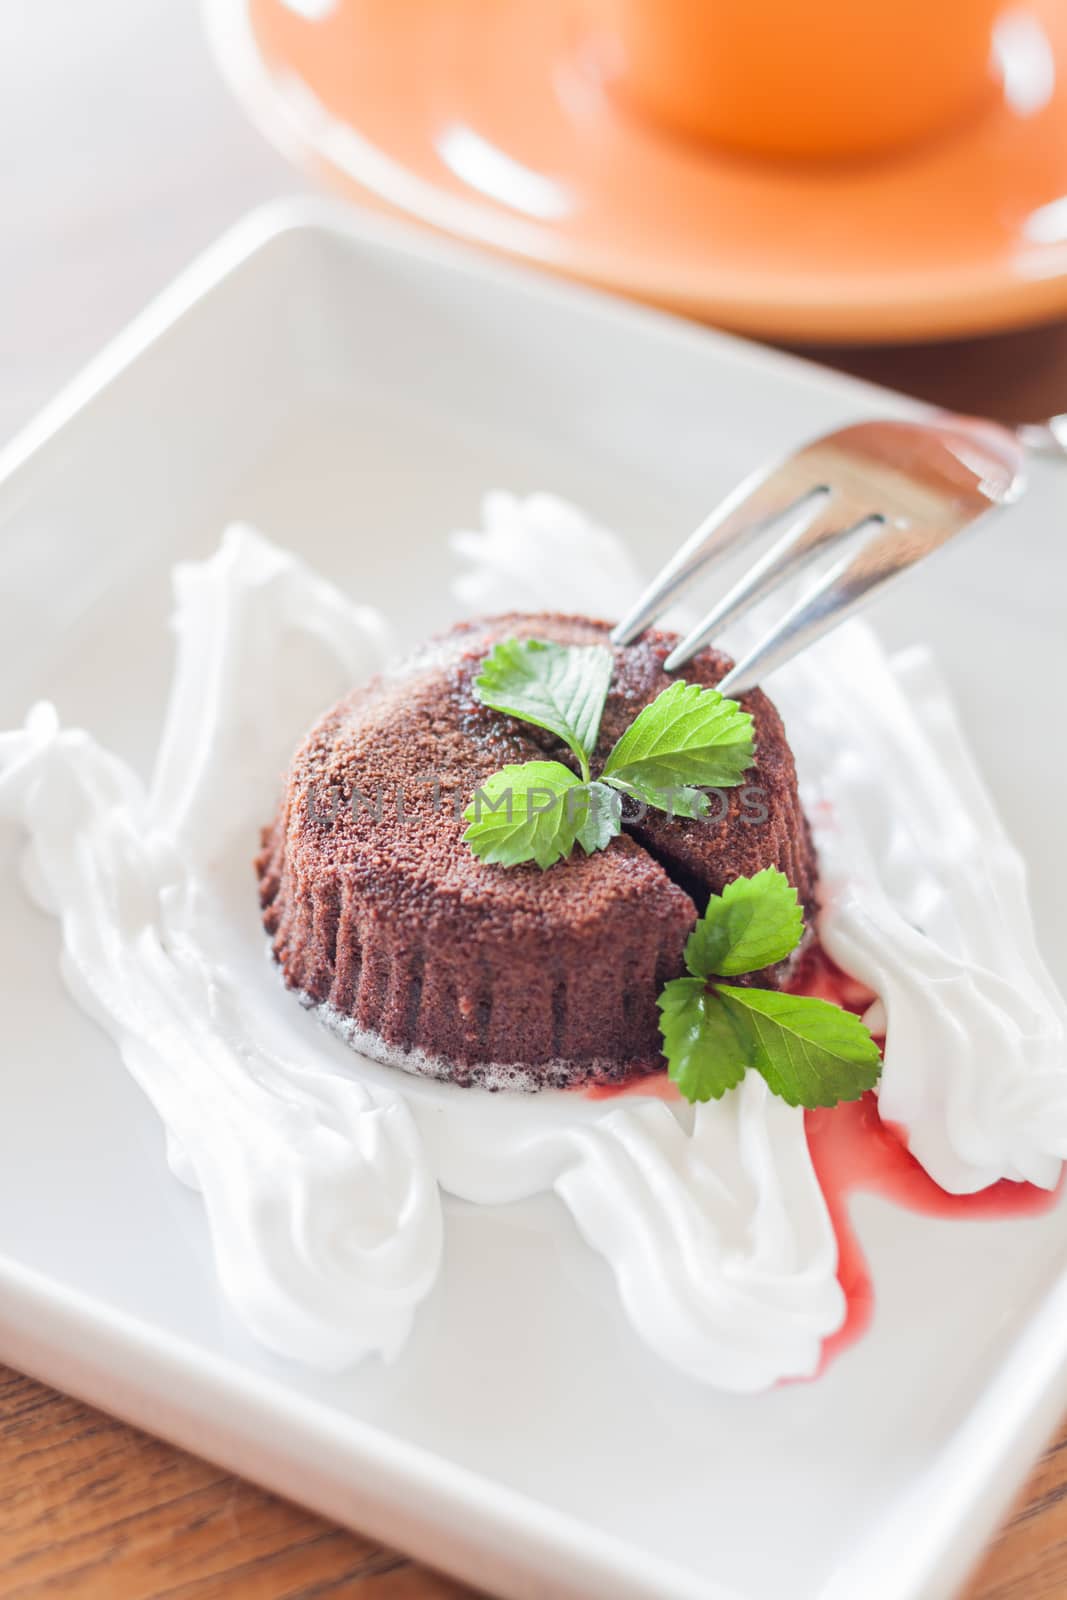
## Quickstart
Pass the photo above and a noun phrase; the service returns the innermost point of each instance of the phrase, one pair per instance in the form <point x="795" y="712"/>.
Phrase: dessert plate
<point x="352" y="390"/>
<point x="491" y="122"/>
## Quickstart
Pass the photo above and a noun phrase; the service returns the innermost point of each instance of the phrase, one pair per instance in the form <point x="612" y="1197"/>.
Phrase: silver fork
<point x="886" y="494"/>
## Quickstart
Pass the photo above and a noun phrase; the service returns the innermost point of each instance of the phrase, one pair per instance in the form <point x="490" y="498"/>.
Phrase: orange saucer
<point x="487" y="120"/>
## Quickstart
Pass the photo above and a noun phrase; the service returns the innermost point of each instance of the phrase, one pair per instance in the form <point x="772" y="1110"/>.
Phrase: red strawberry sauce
<point x="853" y="1150"/>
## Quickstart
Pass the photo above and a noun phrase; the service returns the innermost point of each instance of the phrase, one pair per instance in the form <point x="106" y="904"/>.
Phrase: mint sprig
<point x="676" y="802"/>
<point x="756" y="922"/>
<point x="687" y="736"/>
<point x="538" y="811"/>
<point x="809" y="1051"/>
<point x="686" y="740"/>
<point x="602" y="818"/>
<point x="561" y="688"/>
<point x="707" y="1052"/>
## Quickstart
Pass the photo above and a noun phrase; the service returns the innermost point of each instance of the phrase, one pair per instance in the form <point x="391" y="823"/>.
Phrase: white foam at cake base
<point x="493" y="1076"/>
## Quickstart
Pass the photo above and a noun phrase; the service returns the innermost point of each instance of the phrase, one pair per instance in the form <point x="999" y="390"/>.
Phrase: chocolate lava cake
<point x="427" y="958"/>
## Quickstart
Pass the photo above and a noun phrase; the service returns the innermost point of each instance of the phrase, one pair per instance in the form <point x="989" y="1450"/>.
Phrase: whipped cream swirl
<point x="321" y="1171"/>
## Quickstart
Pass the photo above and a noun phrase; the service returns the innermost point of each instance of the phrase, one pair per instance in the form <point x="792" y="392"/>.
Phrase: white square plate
<point x="352" y="390"/>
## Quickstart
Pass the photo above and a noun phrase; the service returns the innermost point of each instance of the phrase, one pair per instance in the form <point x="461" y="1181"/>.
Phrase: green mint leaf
<point x="536" y="811"/>
<point x="753" y="924"/>
<point x="599" y="819"/>
<point x="559" y="687"/>
<point x="810" y="1052"/>
<point x="688" y="736"/>
<point x="708" y="1049"/>
<point x="676" y="802"/>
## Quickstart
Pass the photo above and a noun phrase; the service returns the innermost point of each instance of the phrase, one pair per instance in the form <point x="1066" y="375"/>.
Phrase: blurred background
<point x="124" y="153"/>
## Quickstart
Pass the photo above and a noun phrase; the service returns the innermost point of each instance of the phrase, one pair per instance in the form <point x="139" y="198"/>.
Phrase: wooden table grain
<point x="121" y="156"/>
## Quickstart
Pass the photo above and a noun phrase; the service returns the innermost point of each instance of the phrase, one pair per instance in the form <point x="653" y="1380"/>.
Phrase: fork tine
<point x="924" y="481"/>
<point x="754" y="506"/>
<point x="802" y="541"/>
<point x="838" y="593"/>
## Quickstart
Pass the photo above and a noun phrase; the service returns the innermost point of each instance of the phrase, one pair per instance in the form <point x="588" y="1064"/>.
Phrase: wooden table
<point x="121" y="156"/>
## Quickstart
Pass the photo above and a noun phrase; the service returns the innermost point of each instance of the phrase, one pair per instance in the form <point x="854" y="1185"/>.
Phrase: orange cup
<point x="803" y="78"/>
